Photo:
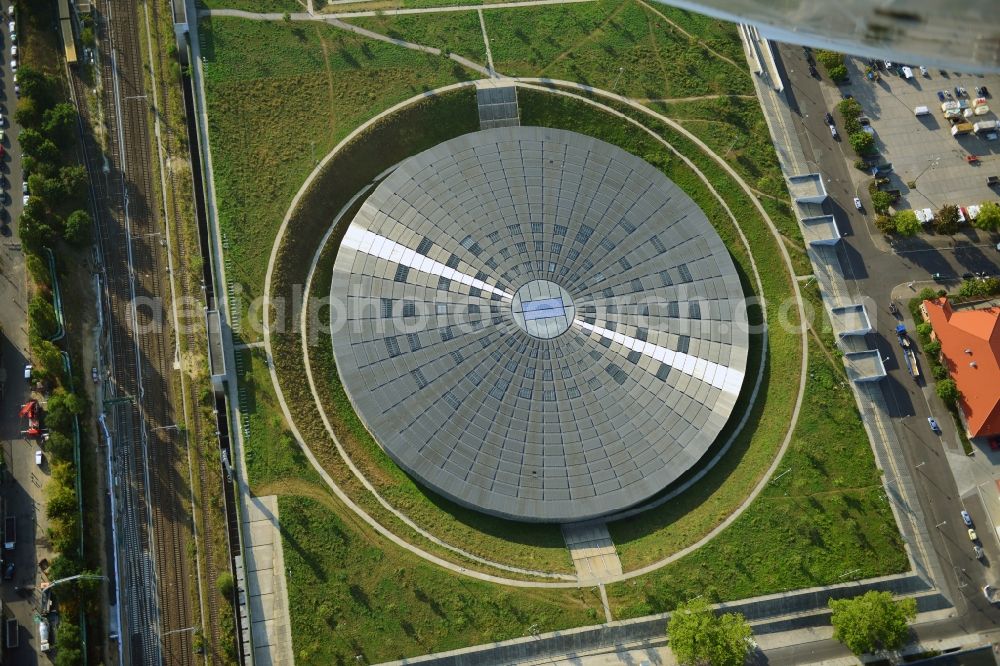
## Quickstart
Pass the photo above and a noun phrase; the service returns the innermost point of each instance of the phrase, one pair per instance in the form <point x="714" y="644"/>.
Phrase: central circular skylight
<point x="537" y="324"/>
<point x="542" y="309"/>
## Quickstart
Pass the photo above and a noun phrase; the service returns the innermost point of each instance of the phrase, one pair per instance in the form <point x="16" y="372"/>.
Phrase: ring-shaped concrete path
<point x="564" y="581"/>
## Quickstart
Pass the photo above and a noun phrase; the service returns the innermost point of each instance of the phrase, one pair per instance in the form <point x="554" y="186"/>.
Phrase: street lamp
<point x="943" y="522"/>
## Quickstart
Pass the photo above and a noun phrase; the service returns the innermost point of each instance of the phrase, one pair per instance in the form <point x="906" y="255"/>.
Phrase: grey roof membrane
<point x="537" y="324"/>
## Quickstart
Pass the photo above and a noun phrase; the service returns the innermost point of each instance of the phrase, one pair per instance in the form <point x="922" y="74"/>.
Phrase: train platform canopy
<point x="850" y="320"/>
<point x="820" y="230"/>
<point x="865" y="366"/>
<point x="970" y="344"/>
<point x="807" y="188"/>
<point x="69" y="45"/>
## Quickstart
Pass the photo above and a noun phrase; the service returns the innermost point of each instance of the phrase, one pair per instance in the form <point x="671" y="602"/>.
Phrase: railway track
<point x="153" y="524"/>
<point x="190" y="294"/>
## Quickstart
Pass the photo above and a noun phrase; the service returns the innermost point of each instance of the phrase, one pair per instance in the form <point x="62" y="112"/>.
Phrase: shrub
<point x="881" y="201"/>
<point x="939" y="371"/>
<point x="885" y="224"/>
<point x="829" y="58"/>
<point x="838" y="73"/>
<point x="924" y="329"/>
<point x="979" y="288"/>
<point x="933" y="349"/>
<point x="863" y="143"/>
<point x="860" y="165"/>
<point x="948" y="391"/>
<point x="849" y="108"/>
<point x="226" y="585"/>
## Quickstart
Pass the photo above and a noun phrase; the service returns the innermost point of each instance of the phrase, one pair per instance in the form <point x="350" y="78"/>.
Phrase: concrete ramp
<point x="593" y="551"/>
<point x="264" y="565"/>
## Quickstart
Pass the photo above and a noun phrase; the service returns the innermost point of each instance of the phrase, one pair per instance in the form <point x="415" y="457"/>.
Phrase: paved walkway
<point x="264" y="567"/>
<point x="305" y="16"/>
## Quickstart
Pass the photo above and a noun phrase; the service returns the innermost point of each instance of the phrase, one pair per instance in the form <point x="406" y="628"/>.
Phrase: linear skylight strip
<point x="715" y="374"/>
<point x="362" y="240"/>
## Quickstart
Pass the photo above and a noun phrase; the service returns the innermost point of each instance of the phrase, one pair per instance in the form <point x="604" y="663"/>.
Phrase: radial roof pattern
<point x="538" y="324"/>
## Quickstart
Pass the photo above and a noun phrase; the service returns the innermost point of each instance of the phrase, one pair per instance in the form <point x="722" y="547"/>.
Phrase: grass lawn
<point x="734" y="127"/>
<point x="827" y="516"/>
<point x="352" y="597"/>
<point x="271" y="451"/>
<point x="452" y="32"/>
<point x="255" y="5"/>
<point x="720" y="35"/>
<point x="590" y="42"/>
<point x="280" y="96"/>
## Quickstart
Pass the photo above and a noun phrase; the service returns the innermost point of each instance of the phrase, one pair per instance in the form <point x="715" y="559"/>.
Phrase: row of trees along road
<point x="871" y="623"/>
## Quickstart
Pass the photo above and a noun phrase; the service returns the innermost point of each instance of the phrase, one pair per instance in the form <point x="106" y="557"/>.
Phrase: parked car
<point x="958" y="91"/>
<point x="924" y="72"/>
<point x="38" y="457"/>
<point x="972" y="534"/>
<point x="931" y="421"/>
<point x="941" y="95"/>
<point x="857" y="203"/>
<point x="813" y="72"/>
<point x="978" y="550"/>
<point x="13" y="49"/>
<point x="967" y="276"/>
<point x="986" y="91"/>
<point x="8" y="571"/>
<point x="828" y="118"/>
<point x="966" y="518"/>
<point x="13" y="64"/>
<point x="94" y="376"/>
<point x="834" y="133"/>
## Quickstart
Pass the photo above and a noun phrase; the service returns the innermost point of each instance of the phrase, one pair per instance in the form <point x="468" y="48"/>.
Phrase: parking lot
<point x="921" y="148"/>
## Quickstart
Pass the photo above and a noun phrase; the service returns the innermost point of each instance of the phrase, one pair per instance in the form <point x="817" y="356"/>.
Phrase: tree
<point x="42" y="316"/>
<point x="59" y="446"/>
<point x="36" y="85"/>
<point x="29" y="113"/>
<point x="62" y="501"/>
<point x="73" y="179"/>
<point x="863" y="143"/>
<point x="47" y="190"/>
<point x="933" y="349"/>
<point x="881" y="201"/>
<point x="946" y="220"/>
<point x="872" y="622"/>
<point x="698" y="636"/>
<point x="59" y="123"/>
<point x="989" y="216"/>
<point x="948" y="391"/>
<point x="907" y="223"/>
<point x="77" y="228"/>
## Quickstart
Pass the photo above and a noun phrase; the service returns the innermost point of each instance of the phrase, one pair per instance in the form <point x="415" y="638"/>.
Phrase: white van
<point x="921" y="111"/>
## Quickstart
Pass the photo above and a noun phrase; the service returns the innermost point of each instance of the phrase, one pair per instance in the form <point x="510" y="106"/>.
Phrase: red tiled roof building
<point x="970" y="347"/>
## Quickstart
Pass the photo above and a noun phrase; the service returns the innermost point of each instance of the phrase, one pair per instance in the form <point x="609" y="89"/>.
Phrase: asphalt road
<point x="875" y="273"/>
<point x="22" y="480"/>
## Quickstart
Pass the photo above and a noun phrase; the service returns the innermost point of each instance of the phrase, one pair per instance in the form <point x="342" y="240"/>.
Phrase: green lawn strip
<point x="452" y="32"/>
<point x="735" y="129"/>
<point x="351" y="597"/>
<point x="411" y="130"/>
<point x="258" y="6"/>
<point x="270" y="451"/>
<point x="825" y="522"/>
<point x="658" y="533"/>
<point x="590" y="43"/>
<point x="529" y="546"/>
<point x="720" y="35"/>
<point x="280" y="96"/>
<point x="388" y="5"/>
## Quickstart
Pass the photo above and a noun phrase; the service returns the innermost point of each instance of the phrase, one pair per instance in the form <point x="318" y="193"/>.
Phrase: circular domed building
<point x="537" y="324"/>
